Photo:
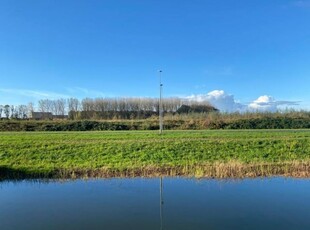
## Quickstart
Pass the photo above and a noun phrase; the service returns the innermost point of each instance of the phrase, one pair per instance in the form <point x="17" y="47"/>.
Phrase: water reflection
<point x="161" y="202"/>
<point x="275" y="203"/>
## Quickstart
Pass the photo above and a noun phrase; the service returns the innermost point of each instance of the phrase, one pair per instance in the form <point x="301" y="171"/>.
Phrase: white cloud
<point x="263" y="103"/>
<point x="219" y="99"/>
<point x="268" y="103"/>
<point x="227" y="103"/>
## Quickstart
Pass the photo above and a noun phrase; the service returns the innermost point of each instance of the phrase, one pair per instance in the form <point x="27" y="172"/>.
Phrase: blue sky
<point x="70" y="48"/>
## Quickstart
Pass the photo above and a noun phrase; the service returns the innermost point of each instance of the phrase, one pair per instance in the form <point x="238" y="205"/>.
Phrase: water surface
<point x="276" y="203"/>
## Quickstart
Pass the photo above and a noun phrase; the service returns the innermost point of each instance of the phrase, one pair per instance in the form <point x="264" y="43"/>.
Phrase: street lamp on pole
<point x="161" y="112"/>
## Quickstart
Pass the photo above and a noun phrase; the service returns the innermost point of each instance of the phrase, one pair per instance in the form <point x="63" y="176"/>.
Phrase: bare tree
<point x="88" y="104"/>
<point x="30" y="109"/>
<point x="45" y="105"/>
<point x="73" y="104"/>
<point x="61" y="104"/>
<point x="22" y="111"/>
<point x="41" y="106"/>
<point x="7" y="111"/>
<point x="12" y="111"/>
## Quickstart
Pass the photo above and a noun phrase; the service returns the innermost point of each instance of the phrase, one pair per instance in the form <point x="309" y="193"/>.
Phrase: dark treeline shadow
<point x="11" y="174"/>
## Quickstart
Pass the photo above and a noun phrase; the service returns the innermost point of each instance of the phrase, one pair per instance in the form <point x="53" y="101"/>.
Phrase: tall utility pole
<point x="161" y="112"/>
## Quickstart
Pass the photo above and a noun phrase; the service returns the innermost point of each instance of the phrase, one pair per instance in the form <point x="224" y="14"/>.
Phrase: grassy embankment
<point x="144" y="153"/>
<point x="192" y="121"/>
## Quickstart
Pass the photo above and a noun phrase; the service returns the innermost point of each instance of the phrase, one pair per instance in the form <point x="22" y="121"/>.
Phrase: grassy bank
<point x="145" y="153"/>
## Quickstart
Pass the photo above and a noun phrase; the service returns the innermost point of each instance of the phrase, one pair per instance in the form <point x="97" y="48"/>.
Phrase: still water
<point x="276" y="203"/>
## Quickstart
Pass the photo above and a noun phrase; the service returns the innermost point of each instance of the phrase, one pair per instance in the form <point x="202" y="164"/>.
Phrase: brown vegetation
<point x="219" y="170"/>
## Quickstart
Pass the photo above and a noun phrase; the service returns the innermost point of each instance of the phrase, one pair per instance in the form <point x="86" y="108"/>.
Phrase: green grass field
<point x="146" y="153"/>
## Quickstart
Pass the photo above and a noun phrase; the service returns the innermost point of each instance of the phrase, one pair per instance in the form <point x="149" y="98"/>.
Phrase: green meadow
<point x="212" y="153"/>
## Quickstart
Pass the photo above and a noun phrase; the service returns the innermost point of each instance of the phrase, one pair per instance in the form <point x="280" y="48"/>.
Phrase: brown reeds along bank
<point x="235" y="170"/>
<point x="217" y="170"/>
<point x="217" y="153"/>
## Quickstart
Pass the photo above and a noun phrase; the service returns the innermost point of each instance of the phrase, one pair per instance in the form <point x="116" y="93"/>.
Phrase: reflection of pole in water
<point x="161" y="200"/>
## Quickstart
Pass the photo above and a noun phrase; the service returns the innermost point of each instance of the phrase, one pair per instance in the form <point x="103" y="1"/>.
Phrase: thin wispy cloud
<point x="78" y="91"/>
<point x="200" y="86"/>
<point x="223" y="71"/>
<point x="29" y="95"/>
<point x="24" y="96"/>
<point x="36" y="94"/>
<point x="302" y="3"/>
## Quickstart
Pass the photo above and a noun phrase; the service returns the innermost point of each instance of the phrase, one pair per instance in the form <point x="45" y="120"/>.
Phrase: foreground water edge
<point x="140" y="203"/>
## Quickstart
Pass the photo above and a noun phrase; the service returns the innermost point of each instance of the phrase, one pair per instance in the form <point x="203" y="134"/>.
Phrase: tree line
<point x="104" y="108"/>
<point x="17" y="112"/>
